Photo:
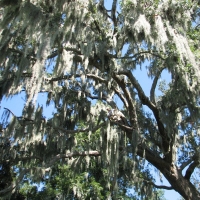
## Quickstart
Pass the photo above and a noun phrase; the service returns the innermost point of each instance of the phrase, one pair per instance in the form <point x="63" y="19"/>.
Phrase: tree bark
<point x="171" y="172"/>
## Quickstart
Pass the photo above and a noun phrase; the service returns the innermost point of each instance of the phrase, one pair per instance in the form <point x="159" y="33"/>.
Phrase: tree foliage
<point x="82" y="56"/>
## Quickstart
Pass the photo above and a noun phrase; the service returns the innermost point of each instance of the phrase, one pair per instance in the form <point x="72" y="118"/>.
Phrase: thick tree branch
<point x="162" y="187"/>
<point x="185" y="164"/>
<point x="194" y="158"/>
<point x="159" y="186"/>
<point x="145" y="101"/>
<point x="113" y="14"/>
<point x="191" y="169"/>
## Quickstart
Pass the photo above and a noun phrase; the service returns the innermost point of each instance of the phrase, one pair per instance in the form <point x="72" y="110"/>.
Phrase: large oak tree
<point x="83" y="56"/>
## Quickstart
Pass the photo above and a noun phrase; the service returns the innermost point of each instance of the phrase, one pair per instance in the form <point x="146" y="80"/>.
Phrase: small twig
<point x="10" y="111"/>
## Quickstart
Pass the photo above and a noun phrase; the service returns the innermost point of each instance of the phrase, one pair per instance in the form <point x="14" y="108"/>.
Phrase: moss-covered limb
<point x="84" y="56"/>
<point x="172" y="173"/>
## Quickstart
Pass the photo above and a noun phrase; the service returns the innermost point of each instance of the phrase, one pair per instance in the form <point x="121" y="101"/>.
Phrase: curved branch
<point x="144" y="99"/>
<point x="194" y="158"/>
<point x="191" y="169"/>
<point x="159" y="186"/>
<point x="185" y="164"/>
<point x="154" y="84"/>
<point x="10" y="111"/>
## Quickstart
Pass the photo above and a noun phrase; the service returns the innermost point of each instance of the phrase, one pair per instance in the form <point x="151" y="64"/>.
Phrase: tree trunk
<point x="180" y="184"/>
<point x="174" y="175"/>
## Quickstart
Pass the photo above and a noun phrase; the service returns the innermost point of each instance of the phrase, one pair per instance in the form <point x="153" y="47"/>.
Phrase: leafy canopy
<point x="82" y="56"/>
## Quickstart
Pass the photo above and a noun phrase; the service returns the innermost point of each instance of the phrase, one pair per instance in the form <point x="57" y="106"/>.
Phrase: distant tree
<point x="83" y="56"/>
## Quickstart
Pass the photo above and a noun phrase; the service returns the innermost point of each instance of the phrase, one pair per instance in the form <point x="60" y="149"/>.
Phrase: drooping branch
<point x="142" y="52"/>
<point x="159" y="186"/>
<point x="68" y="77"/>
<point x="94" y="77"/>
